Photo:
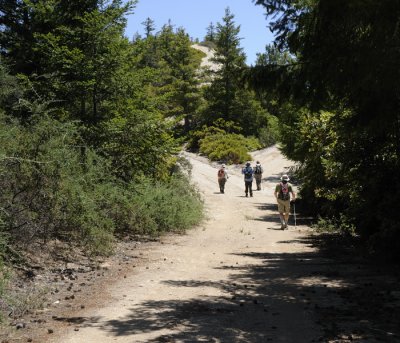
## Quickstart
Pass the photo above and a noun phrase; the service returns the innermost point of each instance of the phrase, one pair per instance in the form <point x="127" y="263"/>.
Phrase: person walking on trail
<point x="222" y="178"/>
<point x="282" y="195"/>
<point x="258" y="170"/>
<point x="248" y="172"/>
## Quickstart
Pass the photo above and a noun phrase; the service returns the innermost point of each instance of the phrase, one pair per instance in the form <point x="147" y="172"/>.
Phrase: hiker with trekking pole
<point x="282" y="194"/>
<point x="248" y="172"/>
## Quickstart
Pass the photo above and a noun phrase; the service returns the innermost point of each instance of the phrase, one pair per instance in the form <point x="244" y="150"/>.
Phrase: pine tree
<point x="226" y="96"/>
<point x="71" y="51"/>
<point x="172" y="64"/>
<point x="210" y="36"/>
<point x="148" y="27"/>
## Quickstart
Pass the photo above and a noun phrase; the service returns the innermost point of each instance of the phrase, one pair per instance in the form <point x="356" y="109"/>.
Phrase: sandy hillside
<point x="206" y="61"/>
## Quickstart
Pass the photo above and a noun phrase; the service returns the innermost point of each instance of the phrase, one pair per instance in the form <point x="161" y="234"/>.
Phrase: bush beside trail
<point x="231" y="148"/>
<point x="223" y="142"/>
<point x="53" y="187"/>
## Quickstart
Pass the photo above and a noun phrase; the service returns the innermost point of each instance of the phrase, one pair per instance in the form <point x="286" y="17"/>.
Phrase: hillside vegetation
<point x="334" y="72"/>
<point x="92" y="124"/>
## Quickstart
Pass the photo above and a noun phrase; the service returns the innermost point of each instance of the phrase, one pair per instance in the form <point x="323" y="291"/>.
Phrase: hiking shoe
<point x="251" y="195"/>
<point x="282" y="226"/>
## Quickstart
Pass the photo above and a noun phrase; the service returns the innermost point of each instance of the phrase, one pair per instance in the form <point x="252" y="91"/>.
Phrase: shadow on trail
<point x="267" y="207"/>
<point x="281" y="297"/>
<point x="275" y="178"/>
<point x="259" y="303"/>
<point x="321" y="295"/>
<point x="284" y="297"/>
<point x="274" y="216"/>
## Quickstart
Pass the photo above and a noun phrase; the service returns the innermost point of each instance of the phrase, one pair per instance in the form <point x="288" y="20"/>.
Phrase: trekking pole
<point x="294" y="213"/>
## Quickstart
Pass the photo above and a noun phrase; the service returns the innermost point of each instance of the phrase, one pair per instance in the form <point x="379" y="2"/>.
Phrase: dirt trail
<point x="238" y="278"/>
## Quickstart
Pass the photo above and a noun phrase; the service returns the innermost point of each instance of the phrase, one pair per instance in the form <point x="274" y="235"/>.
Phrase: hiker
<point x="222" y="177"/>
<point x="282" y="195"/>
<point x="248" y="179"/>
<point x="258" y="170"/>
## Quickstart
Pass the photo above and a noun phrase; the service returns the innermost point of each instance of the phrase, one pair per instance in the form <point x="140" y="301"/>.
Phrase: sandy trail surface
<point x="236" y="278"/>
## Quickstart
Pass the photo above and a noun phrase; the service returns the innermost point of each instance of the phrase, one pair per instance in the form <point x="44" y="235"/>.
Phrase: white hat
<point x="285" y="177"/>
<point x="223" y="165"/>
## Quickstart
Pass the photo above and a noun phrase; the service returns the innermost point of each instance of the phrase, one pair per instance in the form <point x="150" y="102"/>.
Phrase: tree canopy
<point x="86" y="116"/>
<point x="343" y="85"/>
<point x="227" y="97"/>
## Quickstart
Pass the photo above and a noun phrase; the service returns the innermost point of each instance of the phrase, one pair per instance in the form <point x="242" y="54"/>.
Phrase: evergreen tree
<point x="86" y="67"/>
<point x="92" y="126"/>
<point x="173" y="64"/>
<point x="74" y="51"/>
<point x="346" y="79"/>
<point x="227" y="96"/>
<point x="210" y="36"/>
<point x="148" y="27"/>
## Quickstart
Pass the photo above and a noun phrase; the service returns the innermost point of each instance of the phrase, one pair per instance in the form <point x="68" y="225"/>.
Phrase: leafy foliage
<point x="52" y="188"/>
<point x="47" y="189"/>
<point x="227" y="97"/>
<point x="228" y="147"/>
<point x="73" y="53"/>
<point x="343" y="91"/>
<point x="171" y="206"/>
<point x="4" y="273"/>
<point x="138" y="143"/>
<point x="174" y="82"/>
<point x="56" y="186"/>
<point x="269" y="135"/>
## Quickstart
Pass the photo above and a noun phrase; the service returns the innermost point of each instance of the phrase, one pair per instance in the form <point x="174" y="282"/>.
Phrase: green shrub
<point x="339" y="225"/>
<point x="219" y="126"/>
<point x="230" y="148"/>
<point x="269" y="135"/>
<point x="55" y="187"/>
<point x="26" y="300"/>
<point x="173" y="206"/>
<point x="50" y="185"/>
<point x="137" y="138"/>
<point x="208" y="44"/>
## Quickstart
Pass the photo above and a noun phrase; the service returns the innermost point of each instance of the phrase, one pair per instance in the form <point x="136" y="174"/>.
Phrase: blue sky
<point x="196" y="15"/>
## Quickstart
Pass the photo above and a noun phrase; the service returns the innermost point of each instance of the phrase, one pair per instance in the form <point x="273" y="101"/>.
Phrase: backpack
<point x="284" y="192"/>
<point x="248" y="173"/>
<point x="221" y="173"/>
<point x="257" y="170"/>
